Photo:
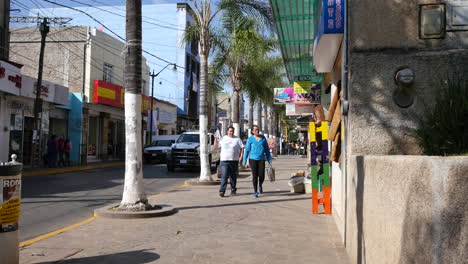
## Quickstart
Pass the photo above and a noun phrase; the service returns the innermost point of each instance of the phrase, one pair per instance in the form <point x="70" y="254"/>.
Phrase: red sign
<point x="108" y="94"/>
<point x="114" y="95"/>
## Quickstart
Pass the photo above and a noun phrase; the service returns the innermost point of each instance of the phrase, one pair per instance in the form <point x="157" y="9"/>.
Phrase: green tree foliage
<point x="443" y="129"/>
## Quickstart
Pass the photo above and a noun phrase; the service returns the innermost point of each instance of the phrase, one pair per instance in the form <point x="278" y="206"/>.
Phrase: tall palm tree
<point x="261" y="77"/>
<point x="202" y="31"/>
<point x="240" y="44"/>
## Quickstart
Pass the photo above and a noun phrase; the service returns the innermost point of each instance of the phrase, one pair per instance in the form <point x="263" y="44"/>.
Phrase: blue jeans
<point x="228" y="171"/>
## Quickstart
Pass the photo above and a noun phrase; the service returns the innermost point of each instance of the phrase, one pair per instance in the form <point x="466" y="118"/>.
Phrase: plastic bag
<point x="296" y="180"/>
<point x="270" y="172"/>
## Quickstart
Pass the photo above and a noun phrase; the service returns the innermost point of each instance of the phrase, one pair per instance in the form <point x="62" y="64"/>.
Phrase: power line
<point x="122" y="9"/>
<point x="117" y="35"/>
<point x="120" y="15"/>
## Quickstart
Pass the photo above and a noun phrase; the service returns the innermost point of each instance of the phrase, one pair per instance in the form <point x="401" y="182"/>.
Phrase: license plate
<point x="154" y="155"/>
<point x="183" y="161"/>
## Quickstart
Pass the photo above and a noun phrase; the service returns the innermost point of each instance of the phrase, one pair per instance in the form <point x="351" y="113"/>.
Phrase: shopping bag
<point x="270" y="172"/>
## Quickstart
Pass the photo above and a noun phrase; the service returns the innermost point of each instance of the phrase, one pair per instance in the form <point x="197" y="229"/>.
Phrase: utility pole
<point x="134" y="197"/>
<point x="36" y="145"/>
<point x="43" y="23"/>
<point x="153" y="75"/>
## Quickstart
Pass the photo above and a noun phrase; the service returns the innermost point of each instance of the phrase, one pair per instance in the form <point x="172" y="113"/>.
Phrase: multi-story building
<point x="91" y="64"/>
<point x="163" y="27"/>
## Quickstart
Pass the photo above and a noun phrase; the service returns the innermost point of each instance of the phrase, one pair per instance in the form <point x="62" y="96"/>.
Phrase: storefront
<point x="105" y="120"/>
<point x="18" y="114"/>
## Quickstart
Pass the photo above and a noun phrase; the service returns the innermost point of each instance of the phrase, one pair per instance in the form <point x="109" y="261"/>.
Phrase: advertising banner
<point x="299" y="109"/>
<point x="108" y="94"/>
<point x="10" y="201"/>
<point x="10" y="78"/>
<point x="332" y="17"/>
<point x="306" y="92"/>
<point x="113" y="95"/>
<point x="29" y="85"/>
<point x="283" y="95"/>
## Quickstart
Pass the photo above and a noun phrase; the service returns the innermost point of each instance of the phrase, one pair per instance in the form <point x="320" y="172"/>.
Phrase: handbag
<point x="270" y="172"/>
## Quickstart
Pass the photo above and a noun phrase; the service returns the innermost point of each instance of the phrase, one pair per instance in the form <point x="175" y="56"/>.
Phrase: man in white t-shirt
<point x="231" y="154"/>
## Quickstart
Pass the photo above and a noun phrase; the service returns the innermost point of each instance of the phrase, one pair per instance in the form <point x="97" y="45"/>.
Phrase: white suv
<point x="185" y="153"/>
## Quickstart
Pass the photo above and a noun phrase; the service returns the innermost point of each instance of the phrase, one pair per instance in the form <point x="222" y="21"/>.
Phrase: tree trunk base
<point x="136" y="207"/>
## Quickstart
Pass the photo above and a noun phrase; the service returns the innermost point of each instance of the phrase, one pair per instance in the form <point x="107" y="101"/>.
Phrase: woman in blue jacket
<point x="257" y="152"/>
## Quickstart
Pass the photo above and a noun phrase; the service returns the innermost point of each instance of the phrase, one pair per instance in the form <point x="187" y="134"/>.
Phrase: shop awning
<point x="296" y="22"/>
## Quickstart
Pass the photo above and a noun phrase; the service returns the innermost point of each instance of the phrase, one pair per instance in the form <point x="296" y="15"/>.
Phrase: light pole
<point x="153" y="75"/>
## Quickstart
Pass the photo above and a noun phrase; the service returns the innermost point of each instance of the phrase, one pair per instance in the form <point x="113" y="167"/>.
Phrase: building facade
<point x="91" y="64"/>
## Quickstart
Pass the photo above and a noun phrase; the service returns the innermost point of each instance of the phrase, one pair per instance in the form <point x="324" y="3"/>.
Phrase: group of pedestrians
<point x="256" y="152"/>
<point x="58" y="152"/>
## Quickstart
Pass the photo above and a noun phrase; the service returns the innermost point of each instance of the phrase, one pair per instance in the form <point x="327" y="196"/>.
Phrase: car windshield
<point x="162" y="143"/>
<point x="195" y="138"/>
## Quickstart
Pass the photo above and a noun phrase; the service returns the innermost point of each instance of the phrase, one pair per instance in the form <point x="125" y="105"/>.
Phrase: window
<point x="187" y="63"/>
<point x="107" y="72"/>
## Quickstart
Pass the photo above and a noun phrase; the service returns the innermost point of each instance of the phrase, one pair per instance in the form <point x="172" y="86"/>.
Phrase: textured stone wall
<point x="407" y="209"/>
<point x="384" y="38"/>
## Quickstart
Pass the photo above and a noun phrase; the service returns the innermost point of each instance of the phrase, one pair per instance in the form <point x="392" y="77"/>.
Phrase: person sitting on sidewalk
<point x="257" y="151"/>
<point x="231" y="154"/>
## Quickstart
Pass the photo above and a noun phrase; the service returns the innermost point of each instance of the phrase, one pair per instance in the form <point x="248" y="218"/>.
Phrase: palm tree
<point x="202" y="31"/>
<point x="238" y="46"/>
<point x="261" y="77"/>
<point x="134" y="197"/>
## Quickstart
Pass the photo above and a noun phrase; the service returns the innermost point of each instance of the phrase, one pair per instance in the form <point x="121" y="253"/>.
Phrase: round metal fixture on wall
<point x="403" y="96"/>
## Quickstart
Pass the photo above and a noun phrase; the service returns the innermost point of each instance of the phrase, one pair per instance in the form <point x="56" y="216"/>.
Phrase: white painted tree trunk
<point x="259" y="115"/>
<point x="205" y="166"/>
<point x="235" y="112"/>
<point x="134" y="197"/>
<point x="134" y="193"/>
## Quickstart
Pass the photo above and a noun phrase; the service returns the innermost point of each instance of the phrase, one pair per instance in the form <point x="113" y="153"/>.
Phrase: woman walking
<point x="257" y="152"/>
<point x="231" y="155"/>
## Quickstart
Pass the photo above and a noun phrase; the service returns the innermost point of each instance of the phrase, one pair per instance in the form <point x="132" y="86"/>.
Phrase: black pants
<point x="258" y="173"/>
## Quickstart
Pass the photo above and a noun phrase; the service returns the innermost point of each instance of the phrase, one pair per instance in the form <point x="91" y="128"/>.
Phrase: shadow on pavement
<point x="256" y="201"/>
<point x="136" y="257"/>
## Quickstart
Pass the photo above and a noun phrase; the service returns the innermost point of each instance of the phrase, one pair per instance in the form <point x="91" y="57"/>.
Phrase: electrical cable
<point x="113" y="13"/>
<point x="110" y="30"/>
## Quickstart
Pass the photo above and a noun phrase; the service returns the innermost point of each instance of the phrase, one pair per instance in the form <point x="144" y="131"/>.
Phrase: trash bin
<point x="297" y="184"/>
<point x="308" y="185"/>
<point x="10" y="201"/>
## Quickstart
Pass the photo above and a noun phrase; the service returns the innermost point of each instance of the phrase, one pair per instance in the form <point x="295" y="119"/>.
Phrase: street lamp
<point x="153" y="75"/>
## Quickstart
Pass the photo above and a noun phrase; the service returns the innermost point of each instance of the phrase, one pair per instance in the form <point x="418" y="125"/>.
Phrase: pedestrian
<point x="66" y="151"/>
<point x="231" y="154"/>
<point x="60" y="145"/>
<point x="52" y="151"/>
<point x="257" y="151"/>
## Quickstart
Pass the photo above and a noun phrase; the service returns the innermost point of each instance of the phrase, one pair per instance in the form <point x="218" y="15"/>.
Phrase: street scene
<point x="233" y="131"/>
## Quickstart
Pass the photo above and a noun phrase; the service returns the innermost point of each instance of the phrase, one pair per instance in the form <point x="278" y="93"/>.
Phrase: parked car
<point x="159" y="149"/>
<point x="185" y="153"/>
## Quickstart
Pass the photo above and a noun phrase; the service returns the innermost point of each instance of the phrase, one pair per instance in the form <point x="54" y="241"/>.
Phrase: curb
<point x="197" y="182"/>
<point x="157" y="211"/>
<point x="60" y="171"/>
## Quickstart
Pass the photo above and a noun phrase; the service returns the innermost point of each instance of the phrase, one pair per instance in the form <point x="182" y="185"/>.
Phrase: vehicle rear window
<point x="162" y="143"/>
<point x="195" y="138"/>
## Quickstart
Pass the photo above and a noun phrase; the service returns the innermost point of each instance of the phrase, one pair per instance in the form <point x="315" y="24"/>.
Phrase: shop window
<point x="107" y="72"/>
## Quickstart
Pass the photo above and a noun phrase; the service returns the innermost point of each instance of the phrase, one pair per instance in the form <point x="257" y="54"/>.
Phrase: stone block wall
<point x="407" y="209"/>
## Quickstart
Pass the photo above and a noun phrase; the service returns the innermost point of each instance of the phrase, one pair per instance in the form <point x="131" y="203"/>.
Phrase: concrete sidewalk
<point x="277" y="227"/>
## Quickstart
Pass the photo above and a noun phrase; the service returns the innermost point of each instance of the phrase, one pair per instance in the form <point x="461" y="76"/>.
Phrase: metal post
<point x="151" y="107"/>
<point x="10" y="202"/>
<point x="153" y="75"/>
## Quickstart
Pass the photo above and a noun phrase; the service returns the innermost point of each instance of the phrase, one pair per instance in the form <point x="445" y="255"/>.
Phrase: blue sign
<point x="332" y="17"/>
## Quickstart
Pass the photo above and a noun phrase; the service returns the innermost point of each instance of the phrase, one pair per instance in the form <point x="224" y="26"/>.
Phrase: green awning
<point x="296" y="23"/>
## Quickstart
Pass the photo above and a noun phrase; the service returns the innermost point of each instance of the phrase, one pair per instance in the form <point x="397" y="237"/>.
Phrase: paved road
<point x="51" y="202"/>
